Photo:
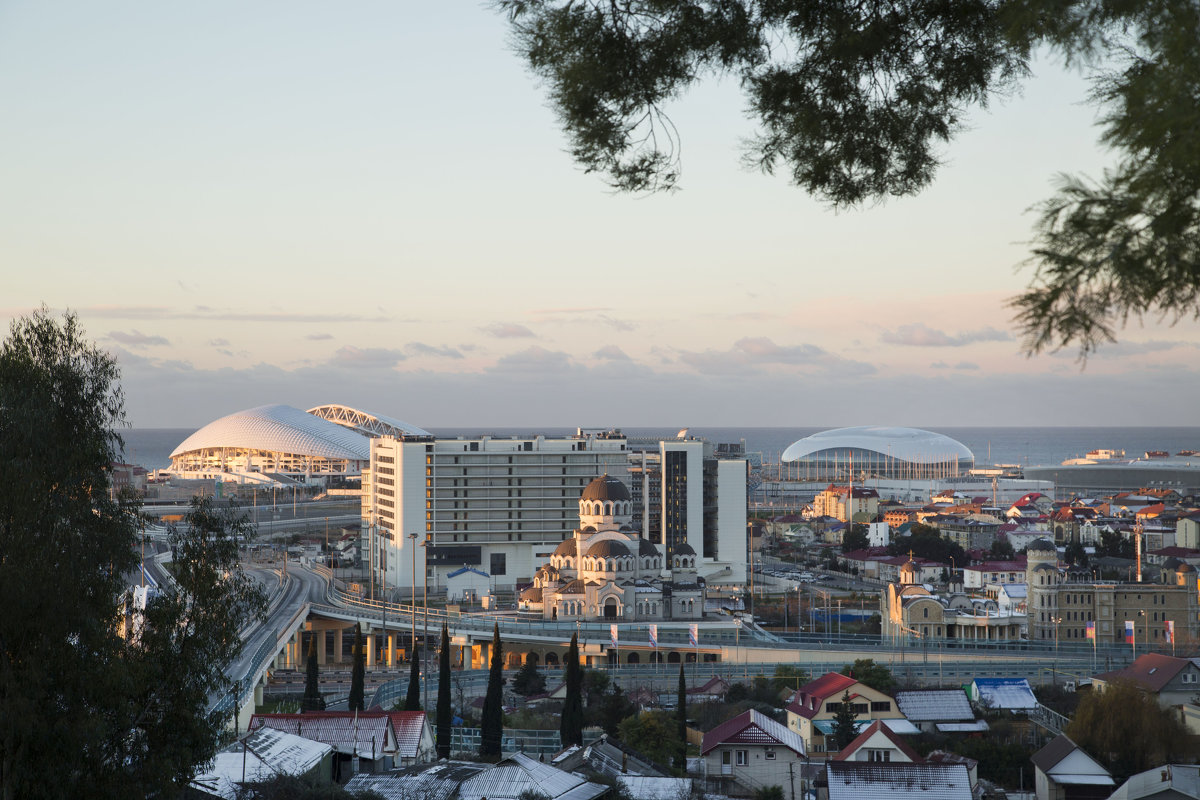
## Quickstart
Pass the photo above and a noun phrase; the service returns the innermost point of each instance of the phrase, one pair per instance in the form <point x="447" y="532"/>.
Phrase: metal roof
<point x="905" y="444"/>
<point x="865" y="780"/>
<point x="369" y="734"/>
<point x="514" y="776"/>
<point x="279" y="429"/>
<point x="409" y="726"/>
<point x="259" y="756"/>
<point x="751" y="727"/>
<point x="648" y="788"/>
<point x="429" y="782"/>
<point x="366" y="422"/>
<point x="1011" y="694"/>
<point x="941" y="705"/>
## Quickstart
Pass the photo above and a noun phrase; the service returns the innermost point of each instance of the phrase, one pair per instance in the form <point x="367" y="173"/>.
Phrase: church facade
<point x="606" y="571"/>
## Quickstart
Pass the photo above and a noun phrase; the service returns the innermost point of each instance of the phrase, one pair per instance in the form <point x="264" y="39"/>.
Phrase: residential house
<point x="414" y="738"/>
<point x="261" y="755"/>
<point x="367" y="736"/>
<point x="520" y="776"/>
<point x="1168" y="782"/>
<point x="878" y="743"/>
<point x="1062" y="771"/>
<point x="814" y="706"/>
<point x="1173" y="681"/>
<point x="976" y="576"/>
<point x="438" y="781"/>
<point x="1003" y="694"/>
<point x="750" y="752"/>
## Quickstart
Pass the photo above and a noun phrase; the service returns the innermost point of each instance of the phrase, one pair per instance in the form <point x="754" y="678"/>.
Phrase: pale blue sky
<point x="369" y="203"/>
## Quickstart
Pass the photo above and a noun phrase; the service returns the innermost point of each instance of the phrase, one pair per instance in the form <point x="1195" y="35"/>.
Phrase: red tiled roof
<point x="878" y="727"/>
<point x="751" y="727"/>
<point x="1151" y="671"/>
<point x="808" y="699"/>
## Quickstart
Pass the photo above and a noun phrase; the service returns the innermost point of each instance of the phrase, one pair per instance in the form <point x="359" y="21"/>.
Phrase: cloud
<point x="218" y="342"/>
<point x="319" y="337"/>
<point x="221" y="315"/>
<point x="422" y="349"/>
<point x="1124" y="348"/>
<point x="918" y="334"/>
<point x="959" y="365"/>
<point x="610" y="352"/>
<point x="751" y="353"/>
<point x="136" y="338"/>
<point x="507" y="330"/>
<point x="534" y="359"/>
<point x="368" y="357"/>
<point x="581" y="316"/>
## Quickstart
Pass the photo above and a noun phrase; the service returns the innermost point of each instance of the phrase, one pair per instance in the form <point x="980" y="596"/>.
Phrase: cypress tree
<point x="312" y="700"/>
<point x="681" y="721"/>
<point x="412" y="701"/>
<point x="357" y="672"/>
<point x="443" y="698"/>
<point x="492" y="725"/>
<point x="571" y="730"/>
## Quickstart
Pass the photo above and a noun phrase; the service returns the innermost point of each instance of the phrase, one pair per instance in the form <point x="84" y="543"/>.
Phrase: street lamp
<point x="412" y="538"/>
<point x="1056" y="621"/>
<point x="425" y="615"/>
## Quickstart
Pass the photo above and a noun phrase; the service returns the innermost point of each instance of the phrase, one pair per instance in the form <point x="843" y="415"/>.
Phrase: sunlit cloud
<point x="507" y="330"/>
<point x="918" y="334"/>
<point x="366" y="358"/>
<point x="610" y="352"/>
<point x="136" y="338"/>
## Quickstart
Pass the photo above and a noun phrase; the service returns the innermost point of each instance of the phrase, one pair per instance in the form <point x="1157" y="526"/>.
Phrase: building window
<point x="498" y="564"/>
<point x="769" y="755"/>
<point x="881" y="705"/>
<point x="879" y="755"/>
<point x="741" y="757"/>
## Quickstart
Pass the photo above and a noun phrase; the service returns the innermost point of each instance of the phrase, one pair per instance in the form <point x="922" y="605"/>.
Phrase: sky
<point x="371" y="204"/>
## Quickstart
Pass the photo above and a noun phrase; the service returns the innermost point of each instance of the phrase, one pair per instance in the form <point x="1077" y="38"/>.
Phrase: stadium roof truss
<point x="365" y="422"/>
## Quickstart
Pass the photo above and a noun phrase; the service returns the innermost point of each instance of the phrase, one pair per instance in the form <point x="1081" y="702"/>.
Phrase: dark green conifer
<point x="491" y="727"/>
<point x="443" y="698"/>
<point x="571" y="729"/>
<point x="312" y="700"/>
<point x="357" y="672"/>
<point x="412" y="701"/>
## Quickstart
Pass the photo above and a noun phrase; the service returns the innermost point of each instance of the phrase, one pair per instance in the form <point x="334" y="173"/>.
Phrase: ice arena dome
<point x="885" y="452"/>
<point x="279" y="443"/>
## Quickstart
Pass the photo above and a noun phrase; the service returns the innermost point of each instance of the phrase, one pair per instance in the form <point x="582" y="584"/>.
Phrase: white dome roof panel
<point x="280" y="429"/>
<point x="906" y="444"/>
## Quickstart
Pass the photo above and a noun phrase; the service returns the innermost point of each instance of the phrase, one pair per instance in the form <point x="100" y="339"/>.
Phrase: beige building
<point x="1062" y="608"/>
<point x="813" y="707"/>
<point x="909" y="610"/>
<point x="833" y="502"/>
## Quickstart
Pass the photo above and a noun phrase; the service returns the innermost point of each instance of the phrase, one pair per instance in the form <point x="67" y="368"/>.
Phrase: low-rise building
<point x="1063" y="771"/>
<point x="814" y="706"/>
<point x="752" y="751"/>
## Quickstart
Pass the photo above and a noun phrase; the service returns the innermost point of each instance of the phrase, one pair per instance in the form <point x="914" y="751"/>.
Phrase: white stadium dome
<point x="883" y="451"/>
<point x="275" y="442"/>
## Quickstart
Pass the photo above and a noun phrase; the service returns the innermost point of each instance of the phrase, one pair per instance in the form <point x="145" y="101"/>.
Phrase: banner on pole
<point x="1171" y="631"/>
<point x="1091" y="631"/>
<point x="654" y="636"/>
<point x="694" y="635"/>
<point x="612" y="633"/>
<point x="1128" y="631"/>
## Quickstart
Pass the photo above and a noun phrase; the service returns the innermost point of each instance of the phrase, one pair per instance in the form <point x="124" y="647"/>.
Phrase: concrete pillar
<point x="391" y="650"/>
<point x="370" y="642"/>
<point x="321" y="646"/>
<point x="338" y="644"/>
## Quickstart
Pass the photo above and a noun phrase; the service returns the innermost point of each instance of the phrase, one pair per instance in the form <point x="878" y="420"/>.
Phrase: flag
<point x="1128" y="631"/>
<point x="654" y="636"/>
<point x="612" y="633"/>
<point x="1091" y="631"/>
<point x="694" y="635"/>
<point x="1171" y="631"/>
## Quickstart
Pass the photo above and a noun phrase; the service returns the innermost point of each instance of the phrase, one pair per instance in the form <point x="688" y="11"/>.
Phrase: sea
<point x="1032" y="446"/>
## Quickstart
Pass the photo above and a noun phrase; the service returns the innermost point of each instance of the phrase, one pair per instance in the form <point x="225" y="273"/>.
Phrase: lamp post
<point x="1141" y="613"/>
<point x="1056" y="621"/>
<point x="412" y="538"/>
<point x="425" y="617"/>
<point x="953" y="569"/>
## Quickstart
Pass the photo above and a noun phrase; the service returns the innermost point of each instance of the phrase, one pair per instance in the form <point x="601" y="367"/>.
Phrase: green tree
<point x="412" y="700"/>
<point x="927" y="542"/>
<point x="1128" y="731"/>
<point x="1075" y="555"/>
<point x="357" y="700"/>
<point x="115" y="697"/>
<point x="855" y="538"/>
<point x="571" y="729"/>
<point x="528" y="680"/>
<point x="769" y="793"/>
<point x="492" y="724"/>
<point x="595" y="685"/>
<point x="843" y="722"/>
<point x="854" y="102"/>
<point x="1002" y="549"/>
<point x="867" y="672"/>
<point x="652" y="733"/>
<point x="444" y="714"/>
<point x="789" y="678"/>
<point x="612" y="709"/>
<point x="312" y="699"/>
<point x="681" y="721"/>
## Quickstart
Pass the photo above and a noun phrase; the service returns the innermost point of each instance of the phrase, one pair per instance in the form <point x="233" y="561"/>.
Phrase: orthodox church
<point x="607" y="571"/>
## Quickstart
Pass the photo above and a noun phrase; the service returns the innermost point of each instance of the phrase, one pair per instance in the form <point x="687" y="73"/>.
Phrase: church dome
<point x="605" y="487"/>
<point x="1185" y="567"/>
<point x="646" y="548"/>
<point x="685" y="549"/>
<point x="608" y="548"/>
<point x="567" y="548"/>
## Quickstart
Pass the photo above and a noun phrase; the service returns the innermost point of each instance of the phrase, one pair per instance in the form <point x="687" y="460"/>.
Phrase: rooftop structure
<point x="884" y="452"/>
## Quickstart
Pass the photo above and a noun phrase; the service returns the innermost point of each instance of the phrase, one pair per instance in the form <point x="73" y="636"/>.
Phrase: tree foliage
<point x="444" y="715"/>
<point x="117" y="700"/>
<point x="491" y="725"/>
<point x="312" y="700"/>
<point x="926" y="542"/>
<point x="571" y="729"/>
<point x="1128" y="731"/>
<point x="681" y="721"/>
<point x="856" y="101"/>
<point x="843" y="722"/>
<point x="869" y="673"/>
<point x="652" y="733"/>
<point x="357" y="700"/>
<point x="855" y="538"/>
<point x="528" y="680"/>
<point x="412" y="700"/>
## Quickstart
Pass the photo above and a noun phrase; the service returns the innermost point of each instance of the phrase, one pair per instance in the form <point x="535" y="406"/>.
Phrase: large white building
<point x="503" y="505"/>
